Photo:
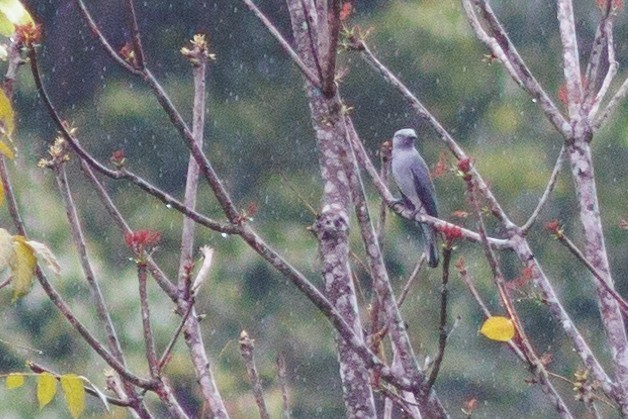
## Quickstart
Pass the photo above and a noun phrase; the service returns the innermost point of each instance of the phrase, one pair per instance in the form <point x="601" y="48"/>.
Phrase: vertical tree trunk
<point x="595" y="250"/>
<point x="332" y="225"/>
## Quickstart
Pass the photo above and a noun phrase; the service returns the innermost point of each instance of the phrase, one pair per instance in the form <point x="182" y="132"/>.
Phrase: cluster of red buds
<point x="451" y="233"/>
<point x="555" y="228"/>
<point x="118" y="159"/>
<point x="142" y="240"/>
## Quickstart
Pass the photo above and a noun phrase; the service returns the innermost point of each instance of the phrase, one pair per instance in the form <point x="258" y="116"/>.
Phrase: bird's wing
<point x="424" y="188"/>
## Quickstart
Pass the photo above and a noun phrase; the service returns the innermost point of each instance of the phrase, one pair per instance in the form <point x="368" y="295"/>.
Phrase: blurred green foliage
<point x="260" y="140"/>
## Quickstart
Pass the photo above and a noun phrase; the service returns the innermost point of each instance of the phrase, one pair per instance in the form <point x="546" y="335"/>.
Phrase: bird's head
<point x="404" y="138"/>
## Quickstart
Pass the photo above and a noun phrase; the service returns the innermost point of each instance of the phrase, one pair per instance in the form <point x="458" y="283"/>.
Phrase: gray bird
<point x="413" y="179"/>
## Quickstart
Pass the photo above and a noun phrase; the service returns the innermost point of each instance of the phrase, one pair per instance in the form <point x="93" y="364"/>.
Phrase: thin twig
<point x="149" y="340"/>
<point x="175" y="118"/>
<point x="384" y="171"/>
<point x="246" y="350"/>
<point x="415" y="273"/>
<point x="466" y="278"/>
<point x="38" y="369"/>
<point x="166" y="354"/>
<point x="612" y="106"/>
<point x="105" y="43"/>
<point x="600" y="44"/>
<point x="610" y="74"/>
<point x="137" y="39"/>
<point x="206" y="167"/>
<point x="10" y="198"/>
<point x="623" y="305"/>
<point x="313" y="38"/>
<point x="123" y="173"/>
<point x="548" y="190"/>
<point x="571" y="57"/>
<point x="501" y="46"/>
<point x="284" y="44"/>
<point x="160" y="277"/>
<point x="199" y="56"/>
<point x="329" y="75"/>
<point x="58" y="301"/>
<point x="442" y="328"/>
<point x="381" y="281"/>
<point x="80" y="244"/>
<point x="534" y="363"/>
<point x="281" y="377"/>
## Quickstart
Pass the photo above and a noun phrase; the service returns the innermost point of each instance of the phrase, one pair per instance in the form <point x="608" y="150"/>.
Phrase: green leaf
<point x="498" y="328"/>
<point x="74" y="391"/>
<point x="23" y="267"/>
<point x="15" y="380"/>
<point x="46" y="388"/>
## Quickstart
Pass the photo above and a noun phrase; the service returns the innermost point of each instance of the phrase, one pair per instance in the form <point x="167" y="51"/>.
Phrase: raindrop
<point x="224" y="235"/>
<point x="168" y="206"/>
<point x="533" y="100"/>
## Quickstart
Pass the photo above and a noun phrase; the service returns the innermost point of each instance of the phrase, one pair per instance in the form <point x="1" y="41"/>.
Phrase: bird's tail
<point x="432" y="245"/>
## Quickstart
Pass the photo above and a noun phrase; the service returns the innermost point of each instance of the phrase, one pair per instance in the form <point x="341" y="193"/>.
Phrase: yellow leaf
<point x="7" y="115"/>
<point x="498" y="328"/>
<point x="45" y="255"/>
<point x="6" y="150"/>
<point x="15" y="380"/>
<point x="6" y="249"/>
<point x="23" y="267"/>
<point x="12" y="13"/>
<point x="46" y="388"/>
<point x="74" y="392"/>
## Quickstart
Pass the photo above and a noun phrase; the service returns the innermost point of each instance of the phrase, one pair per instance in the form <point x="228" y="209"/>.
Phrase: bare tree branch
<point x="309" y="75"/>
<point x="571" y="57"/>
<point x="246" y="350"/>
<point x="137" y="39"/>
<point x="548" y="190"/>
<point x="443" y="333"/>
<point x="503" y="49"/>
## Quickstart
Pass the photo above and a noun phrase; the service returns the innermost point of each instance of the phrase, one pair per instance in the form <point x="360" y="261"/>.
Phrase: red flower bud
<point x="464" y="165"/>
<point x="140" y="240"/>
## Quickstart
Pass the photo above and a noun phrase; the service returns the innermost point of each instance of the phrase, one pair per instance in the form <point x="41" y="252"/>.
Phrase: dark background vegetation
<point x="260" y="140"/>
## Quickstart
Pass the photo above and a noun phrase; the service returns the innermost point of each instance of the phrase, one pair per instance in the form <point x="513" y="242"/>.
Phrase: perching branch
<point x="443" y="134"/>
<point x="365" y="161"/>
